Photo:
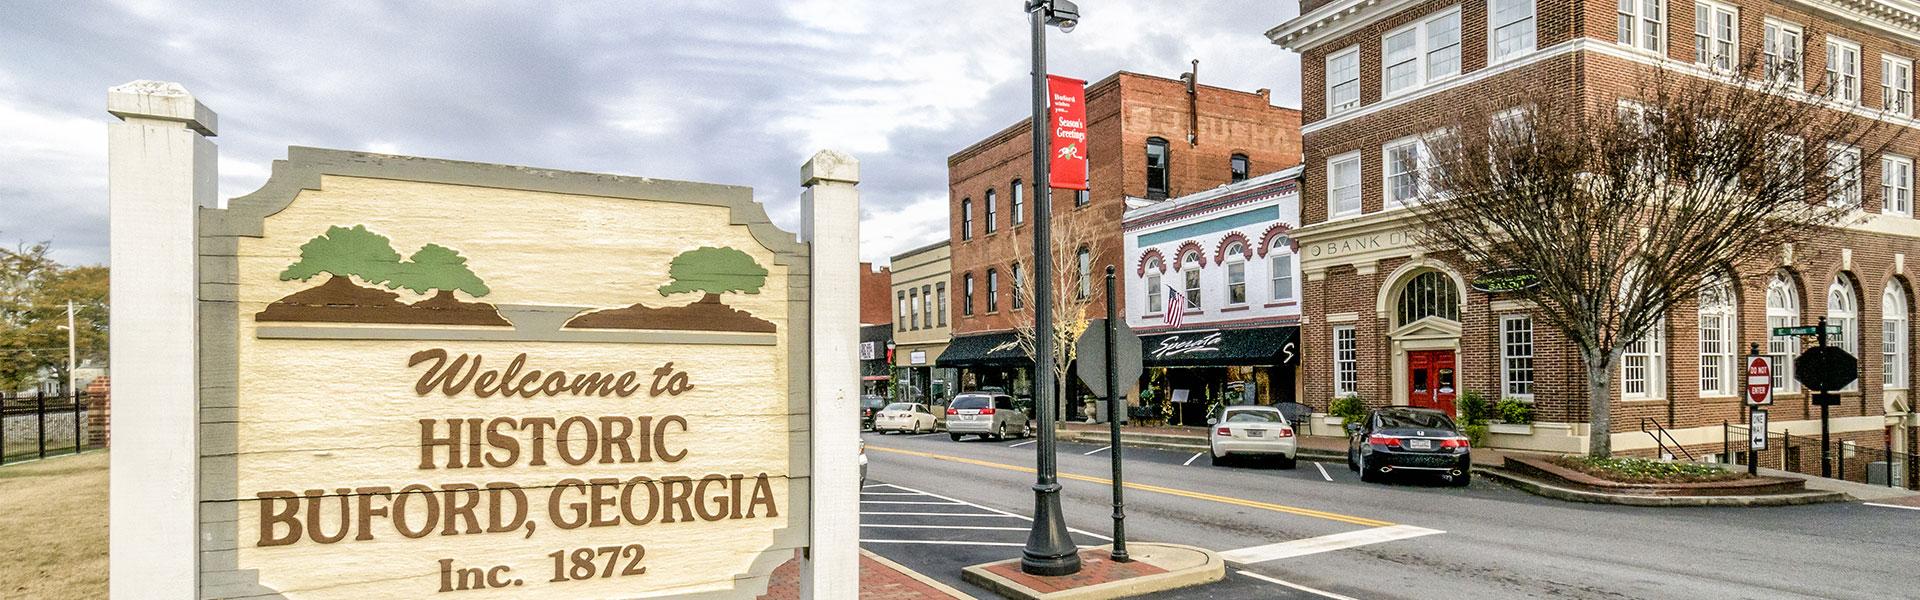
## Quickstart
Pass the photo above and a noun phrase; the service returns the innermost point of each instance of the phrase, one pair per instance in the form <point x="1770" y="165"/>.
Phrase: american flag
<point x="1176" y="307"/>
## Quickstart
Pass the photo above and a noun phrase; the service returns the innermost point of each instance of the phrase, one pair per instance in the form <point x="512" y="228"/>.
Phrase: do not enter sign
<point x="1759" y="381"/>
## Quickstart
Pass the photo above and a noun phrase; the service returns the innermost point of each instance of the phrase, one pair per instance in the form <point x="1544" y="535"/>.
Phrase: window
<point x="1783" y="53"/>
<point x="1896" y="85"/>
<point x="1843" y="70"/>
<point x="1084" y="258"/>
<point x="1239" y="166"/>
<point x="1422" y="52"/>
<point x="926" y="305"/>
<point x="1190" y="265"/>
<point x="1343" y="80"/>
<point x="1236" y="275"/>
<point x="1844" y="169"/>
<point x="941" y="290"/>
<point x="1429" y="294"/>
<point x="1156" y="168"/>
<point x="1346" y="361"/>
<point x="1643" y="24"/>
<point x="1896" y="185"/>
<point x="1082" y="198"/>
<point x="1403" y="160"/>
<point x="1019" y="287"/>
<point x="1783" y="310"/>
<point x="1153" y="292"/>
<point x="1718" y="342"/>
<point x="966" y="296"/>
<point x="966" y="219"/>
<point x="1516" y="356"/>
<point x="1019" y="192"/>
<point x="1843" y="311"/>
<point x="1280" y="263"/>
<point x="1343" y="185"/>
<point x="1893" y="337"/>
<point x="1716" y="34"/>
<point x="1512" y="24"/>
<point x="1643" y="366"/>
<point x="900" y="321"/>
<point x="913" y="309"/>
<point x="993" y="212"/>
<point x="993" y="291"/>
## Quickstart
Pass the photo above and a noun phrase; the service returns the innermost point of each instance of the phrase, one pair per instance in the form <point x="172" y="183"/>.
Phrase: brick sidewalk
<point x="878" y="581"/>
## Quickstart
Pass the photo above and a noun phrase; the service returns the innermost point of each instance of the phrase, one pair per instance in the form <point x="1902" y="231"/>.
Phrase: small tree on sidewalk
<point x="1070" y="305"/>
<point x="1620" y="212"/>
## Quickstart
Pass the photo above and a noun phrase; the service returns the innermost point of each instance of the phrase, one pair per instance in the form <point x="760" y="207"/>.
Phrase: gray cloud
<point x="737" y="92"/>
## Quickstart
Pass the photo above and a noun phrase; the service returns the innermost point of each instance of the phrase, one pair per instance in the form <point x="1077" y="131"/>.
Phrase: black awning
<point x="1222" y="347"/>
<point x="984" y="350"/>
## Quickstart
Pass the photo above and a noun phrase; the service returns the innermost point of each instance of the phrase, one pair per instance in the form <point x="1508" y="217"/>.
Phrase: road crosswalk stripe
<point x="1325" y="543"/>
<point x="1316" y="591"/>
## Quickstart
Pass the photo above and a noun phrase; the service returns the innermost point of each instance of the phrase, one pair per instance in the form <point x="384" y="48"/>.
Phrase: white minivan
<point x="986" y="415"/>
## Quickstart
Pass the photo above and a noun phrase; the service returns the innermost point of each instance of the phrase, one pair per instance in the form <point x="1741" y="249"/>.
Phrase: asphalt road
<point x="954" y="504"/>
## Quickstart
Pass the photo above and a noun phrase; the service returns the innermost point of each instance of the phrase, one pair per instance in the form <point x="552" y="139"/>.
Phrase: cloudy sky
<point x="726" y="92"/>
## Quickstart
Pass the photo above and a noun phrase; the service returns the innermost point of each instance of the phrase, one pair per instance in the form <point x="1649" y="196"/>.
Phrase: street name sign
<point x="1805" y="330"/>
<point x="1757" y="430"/>
<point x="1759" y="380"/>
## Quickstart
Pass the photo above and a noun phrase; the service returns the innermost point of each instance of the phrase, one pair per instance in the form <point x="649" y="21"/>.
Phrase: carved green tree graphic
<point x="437" y="267"/>
<point x="344" y="252"/>
<point x="714" y="271"/>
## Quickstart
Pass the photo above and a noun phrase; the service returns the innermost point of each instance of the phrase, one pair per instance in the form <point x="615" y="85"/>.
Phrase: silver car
<point x="1253" y="431"/>
<point x="986" y="415"/>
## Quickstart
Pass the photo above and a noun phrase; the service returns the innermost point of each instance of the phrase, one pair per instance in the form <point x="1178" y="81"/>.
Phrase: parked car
<point x="986" y="415"/>
<point x="1260" y="431"/>
<point x="905" y="417"/>
<point x="869" y="406"/>
<point x="1403" y="438"/>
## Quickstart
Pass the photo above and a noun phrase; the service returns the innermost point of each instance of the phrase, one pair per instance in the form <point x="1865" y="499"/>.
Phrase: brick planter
<point x="1564" y="477"/>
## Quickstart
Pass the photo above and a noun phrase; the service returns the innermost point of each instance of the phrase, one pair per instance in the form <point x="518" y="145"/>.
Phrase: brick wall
<point x="876" y="295"/>
<point x="99" y="404"/>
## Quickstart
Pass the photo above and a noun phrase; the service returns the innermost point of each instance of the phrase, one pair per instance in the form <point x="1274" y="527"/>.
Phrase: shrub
<point x="1474" y="408"/>
<point x="1349" y="408"/>
<point x="1476" y="434"/>
<point x="1515" y="411"/>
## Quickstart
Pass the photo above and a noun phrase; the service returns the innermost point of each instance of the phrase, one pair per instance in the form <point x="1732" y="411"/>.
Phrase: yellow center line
<point x="1306" y="512"/>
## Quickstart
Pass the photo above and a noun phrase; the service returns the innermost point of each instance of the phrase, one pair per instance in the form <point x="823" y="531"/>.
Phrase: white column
<point x="160" y="170"/>
<point x="831" y="215"/>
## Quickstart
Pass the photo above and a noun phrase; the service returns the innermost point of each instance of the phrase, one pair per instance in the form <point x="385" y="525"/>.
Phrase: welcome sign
<point x="426" y="378"/>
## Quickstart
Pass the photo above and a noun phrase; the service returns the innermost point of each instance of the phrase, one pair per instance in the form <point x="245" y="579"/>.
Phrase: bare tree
<point x="1073" y="294"/>
<point x="1615" y="212"/>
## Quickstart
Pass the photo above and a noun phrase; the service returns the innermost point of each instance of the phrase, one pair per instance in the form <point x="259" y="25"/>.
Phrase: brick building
<point x="1382" y="313"/>
<point x="1149" y="139"/>
<point x="876" y="330"/>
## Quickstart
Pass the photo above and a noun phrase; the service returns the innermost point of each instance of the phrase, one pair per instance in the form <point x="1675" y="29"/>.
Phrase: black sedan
<point x="1405" y="439"/>
<point x="869" y="408"/>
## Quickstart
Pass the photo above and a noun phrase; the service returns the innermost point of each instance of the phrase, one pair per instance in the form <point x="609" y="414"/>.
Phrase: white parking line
<point x="887" y="493"/>
<point x="996" y="511"/>
<point x="1325" y="543"/>
<point x="924" y="514"/>
<point x="1023" y="443"/>
<point x="1891" y="506"/>
<point x="1196" y="456"/>
<point x="1323" y="471"/>
<point x="1093" y="452"/>
<point x="967" y="527"/>
<point x="944" y="543"/>
<point x="1318" y="592"/>
<point x="904" y="502"/>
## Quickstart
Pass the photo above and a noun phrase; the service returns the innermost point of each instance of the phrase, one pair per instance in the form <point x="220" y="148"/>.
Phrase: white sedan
<point x="1252" y="431"/>
<point x="905" y="417"/>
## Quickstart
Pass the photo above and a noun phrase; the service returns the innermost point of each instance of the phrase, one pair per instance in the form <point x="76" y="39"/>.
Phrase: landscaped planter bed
<point x="1741" y="486"/>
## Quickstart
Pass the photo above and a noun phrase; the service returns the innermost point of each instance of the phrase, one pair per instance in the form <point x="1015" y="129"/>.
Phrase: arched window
<point x="1154" y="291"/>
<point x="1643" y="362"/>
<point x="993" y="212"/>
<point x="1429" y="294"/>
<point x="1783" y="310"/>
<point x="1718" y="341"/>
<point x="1156" y="168"/>
<point x="1236" y="274"/>
<point x="1240" y="167"/>
<point x="966" y="219"/>
<point x="1843" y="311"/>
<point x="1893" y="337"/>
<point x="1190" y="269"/>
<point x="1280" y="267"/>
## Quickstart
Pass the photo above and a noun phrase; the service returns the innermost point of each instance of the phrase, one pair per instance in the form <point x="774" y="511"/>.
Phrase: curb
<point x="1212" y="569"/>
<point x="917" y="576"/>
<point x="1540" y="488"/>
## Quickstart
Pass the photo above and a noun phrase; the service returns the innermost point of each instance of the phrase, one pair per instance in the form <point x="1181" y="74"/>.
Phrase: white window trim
<point x="1341" y="365"/>
<point x="1895" y="159"/>
<point x="1852" y="97"/>
<point x="1226" y="281"/>
<point x="1330" y="83"/>
<point x="1886" y="61"/>
<point x="1656" y="386"/>
<point x="1639" y="33"/>
<point x="1790" y="346"/>
<point x="1854" y="200"/>
<point x="1493" y="44"/>
<point x="1799" y="49"/>
<point x="1733" y="59"/>
<point x="1359" y="184"/>
<point x="1156" y="299"/>
<point x="1292" y="274"/>
<point x="1902" y="350"/>
<point x="1506" y="373"/>
<point x="1420" y="163"/>
<point x="1727" y="384"/>
<point x="1423" y="79"/>
<point x="1849" y="323"/>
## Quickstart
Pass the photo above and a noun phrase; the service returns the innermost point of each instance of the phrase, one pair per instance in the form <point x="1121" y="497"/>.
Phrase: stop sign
<point x="1759" y="380"/>
<point x="1826" y="369"/>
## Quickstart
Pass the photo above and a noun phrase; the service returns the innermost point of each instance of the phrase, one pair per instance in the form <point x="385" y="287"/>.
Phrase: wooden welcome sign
<point x="423" y="377"/>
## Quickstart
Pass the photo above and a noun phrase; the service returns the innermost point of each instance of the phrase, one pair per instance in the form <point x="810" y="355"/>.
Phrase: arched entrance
<point x="1421" y="308"/>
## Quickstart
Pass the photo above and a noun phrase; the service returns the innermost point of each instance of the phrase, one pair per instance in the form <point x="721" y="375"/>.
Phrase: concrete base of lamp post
<point x="1152" y="568"/>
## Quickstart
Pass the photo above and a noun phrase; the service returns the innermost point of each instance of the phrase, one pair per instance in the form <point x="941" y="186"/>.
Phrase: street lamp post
<point x="1050" y="549"/>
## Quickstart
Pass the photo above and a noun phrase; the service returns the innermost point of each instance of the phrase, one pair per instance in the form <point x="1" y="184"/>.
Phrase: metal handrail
<point x="1658" y="432"/>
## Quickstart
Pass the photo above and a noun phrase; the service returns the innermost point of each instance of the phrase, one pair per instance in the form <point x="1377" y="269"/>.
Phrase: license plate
<point x="1420" y="444"/>
<point x="1256" y="433"/>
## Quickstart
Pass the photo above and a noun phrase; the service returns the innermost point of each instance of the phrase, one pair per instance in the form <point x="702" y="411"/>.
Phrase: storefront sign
<point x="1358" y="244"/>
<point x="414" y="403"/>
<point x="1506" y="280"/>
<point x="1175" y="345"/>
<point x="917" y="357"/>
<point x="869" y="350"/>
<point x="1067" y="127"/>
<point x="1006" y="346"/>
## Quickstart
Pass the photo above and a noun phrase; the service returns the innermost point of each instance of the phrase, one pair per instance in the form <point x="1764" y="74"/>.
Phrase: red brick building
<point x="1149" y="139"/>
<point x="1378" y="75"/>
<point x="876" y="293"/>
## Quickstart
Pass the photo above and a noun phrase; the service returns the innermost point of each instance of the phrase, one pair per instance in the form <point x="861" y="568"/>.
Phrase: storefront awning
<point x="1279" y="346"/>
<point x="984" y="350"/>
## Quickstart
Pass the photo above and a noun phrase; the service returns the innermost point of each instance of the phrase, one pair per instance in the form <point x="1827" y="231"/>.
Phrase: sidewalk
<point x="880" y="579"/>
<point x="1195" y="438"/>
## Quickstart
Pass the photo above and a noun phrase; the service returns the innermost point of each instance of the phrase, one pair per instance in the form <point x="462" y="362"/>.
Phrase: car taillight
<point x="1223" y="431"/>
<point x="1286" y="433"/>
<point x="986" y="411"/>
<point x="953" y="411"/>
<point x="1381" y="440"/>
<point x="1454" y="443"/>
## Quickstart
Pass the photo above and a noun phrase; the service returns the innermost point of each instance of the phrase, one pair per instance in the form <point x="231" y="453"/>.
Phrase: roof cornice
<point x="1331" y="21"/>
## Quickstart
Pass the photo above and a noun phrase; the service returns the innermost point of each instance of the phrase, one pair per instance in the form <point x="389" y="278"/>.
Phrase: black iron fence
<point x="1874" y="462"/>
<point x="38" y="426"/>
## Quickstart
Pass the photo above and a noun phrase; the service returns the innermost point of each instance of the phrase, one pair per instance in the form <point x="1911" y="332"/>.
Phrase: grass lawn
<point x="53" y="528"/>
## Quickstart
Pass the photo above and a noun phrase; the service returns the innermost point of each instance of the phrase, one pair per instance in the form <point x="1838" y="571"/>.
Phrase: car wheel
<point x="1217" y="459"/>
<point x="1288" y="462"/>
<point x="1352" y="465"/>
<point x="1461" y="480"/>
<point x="1000" y="433"/>
<point x="1367" y="474"/>
<point x="954" y="436"/>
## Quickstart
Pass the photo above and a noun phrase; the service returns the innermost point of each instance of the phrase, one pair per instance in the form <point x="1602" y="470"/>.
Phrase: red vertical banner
<point x="1067" y="125"/>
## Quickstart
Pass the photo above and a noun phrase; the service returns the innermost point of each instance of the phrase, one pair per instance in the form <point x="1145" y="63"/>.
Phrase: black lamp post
<point x="1050" y="549"/>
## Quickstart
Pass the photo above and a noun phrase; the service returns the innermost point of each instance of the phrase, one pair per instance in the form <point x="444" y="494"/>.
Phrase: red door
<point x="1430" y="380"/>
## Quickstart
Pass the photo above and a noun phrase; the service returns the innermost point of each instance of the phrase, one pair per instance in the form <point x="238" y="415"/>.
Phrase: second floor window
<point x="1845" y="171"/>
<point x="1343" y="186"/>
<point x="913" y="308"/>
<point x="926" y="305"/>
<point x="1343" y="80"/>
<point x="1643" y="24"/>
<point x="1843" y="71"/>
<point x="1239" y="166"/>
<point x="1512" y="24"/>
<point x="966" y="219"/>
<point x="1896" y="185"/>
<point x="1085" y="259"/>
<point x="1019" y="193"/>
<point x="1082" y="198"/>
<point x="1156" y="168"/>
<point x="1236" y="278"/>
<point x="941" y="290"/>
<point x="993" y="291"/>
<point x="1402" y="171"/>
<point x="1280" y="262"/>
<point x="966" y="296"/>
<point x="1019" y="287"/>
<point x="1190" y="271"/>
<point x="1422" y="52"/>
<point x="1896" y="85"/>
<point x="1154" y="294"/>
<point x="1716" y="32"/>
<point x="900" y="322"/>
<point x="993" y="212"/>
<point x="1783" y="53"/>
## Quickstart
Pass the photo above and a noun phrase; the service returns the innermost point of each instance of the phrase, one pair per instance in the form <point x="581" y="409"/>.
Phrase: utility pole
<point x="72" y="361"/>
